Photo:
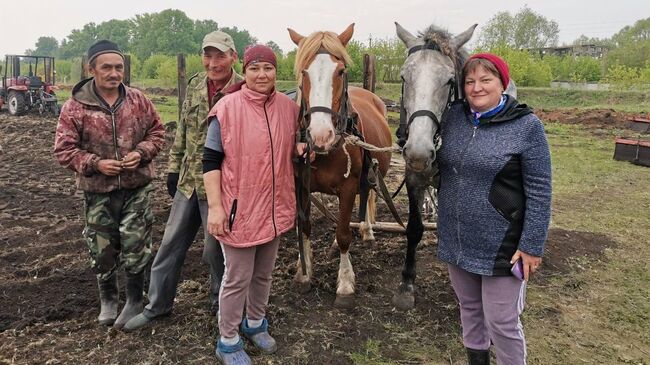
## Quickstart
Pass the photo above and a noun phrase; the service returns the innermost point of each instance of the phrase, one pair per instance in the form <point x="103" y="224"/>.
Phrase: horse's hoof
<point x="404" y="301"/>
<point x="344" y="301"/>
<point x="303" y="287"/>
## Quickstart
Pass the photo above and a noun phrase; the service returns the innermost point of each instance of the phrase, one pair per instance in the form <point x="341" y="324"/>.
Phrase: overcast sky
<point x="23" y="23"/>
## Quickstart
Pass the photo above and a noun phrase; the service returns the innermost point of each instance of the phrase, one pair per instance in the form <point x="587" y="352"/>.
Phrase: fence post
<point x="182" y="83"/>
<point x="127" y="70"/>
<point x="84" y="69"/>
<point x="369" y="78"/>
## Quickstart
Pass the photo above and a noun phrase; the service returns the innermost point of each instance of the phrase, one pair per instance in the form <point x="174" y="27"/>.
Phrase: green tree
<point x="45" y="46"/>
<point x="525" y="29"/>
<point x="78" y="41"/>
<point x="389" y="58"/>
<point x="632" y="45"/>
<point x="168" y="32"/>
<point x="118" y="31"/>
<point x="275" y="47"/>
<point x="241" y="38"/>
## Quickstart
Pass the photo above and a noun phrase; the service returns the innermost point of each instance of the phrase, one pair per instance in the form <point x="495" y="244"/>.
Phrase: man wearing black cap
<point x="109" y="134"/>
<point x="185" y="184"/>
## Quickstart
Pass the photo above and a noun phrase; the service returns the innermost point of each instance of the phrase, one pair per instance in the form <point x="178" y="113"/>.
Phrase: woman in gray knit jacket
<point x="494" y="208"/>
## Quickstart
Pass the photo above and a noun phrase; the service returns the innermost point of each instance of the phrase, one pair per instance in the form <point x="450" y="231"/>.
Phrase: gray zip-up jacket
<point x="495" y="188"/>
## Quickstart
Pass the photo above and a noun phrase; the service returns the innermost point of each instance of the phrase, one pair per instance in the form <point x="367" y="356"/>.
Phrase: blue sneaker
<point x="232" y="354"/>
<point x="260" y="336"/>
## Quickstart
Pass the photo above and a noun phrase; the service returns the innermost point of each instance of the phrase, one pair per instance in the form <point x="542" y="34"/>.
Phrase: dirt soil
<point x="48" y="294"/>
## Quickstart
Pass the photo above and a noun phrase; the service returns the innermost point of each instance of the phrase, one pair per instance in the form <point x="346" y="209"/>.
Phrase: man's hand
<point x="172" y="183"/>
<point x="131" y="161"/>
<point x="109" y="167"/>
<point x="217" y="221"/>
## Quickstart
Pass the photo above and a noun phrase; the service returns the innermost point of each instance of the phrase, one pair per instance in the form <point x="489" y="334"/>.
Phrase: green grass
<point x="547" y="98"/>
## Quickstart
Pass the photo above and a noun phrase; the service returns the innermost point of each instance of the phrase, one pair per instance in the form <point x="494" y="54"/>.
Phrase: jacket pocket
<point x="231" y="216"/>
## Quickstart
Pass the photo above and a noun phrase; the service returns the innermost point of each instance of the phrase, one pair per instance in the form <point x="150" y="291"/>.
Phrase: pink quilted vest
<point x="257" y="181"/>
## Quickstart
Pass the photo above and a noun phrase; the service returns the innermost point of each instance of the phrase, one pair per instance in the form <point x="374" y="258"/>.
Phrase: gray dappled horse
<point x="431" y="78"/>
<point x="431" y="82"/>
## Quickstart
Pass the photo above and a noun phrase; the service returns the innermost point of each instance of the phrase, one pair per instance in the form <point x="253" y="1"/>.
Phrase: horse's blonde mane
<point x="310" y="45"/>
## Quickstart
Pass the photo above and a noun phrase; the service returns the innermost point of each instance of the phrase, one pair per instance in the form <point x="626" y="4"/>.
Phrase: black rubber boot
<point x="478" y="357"/>
<point x="134" y="294"/>
<point x="108" y="299"/>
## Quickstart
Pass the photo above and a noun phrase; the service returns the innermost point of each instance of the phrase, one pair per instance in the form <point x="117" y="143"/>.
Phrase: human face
<point x="108" y="72"/>
<point x="218" y="64"/>
<point x="260" y="77"/>
<point x="483" y="89"/>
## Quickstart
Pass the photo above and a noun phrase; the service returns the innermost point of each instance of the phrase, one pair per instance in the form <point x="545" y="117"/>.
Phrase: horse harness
<point x="404" y="124"/>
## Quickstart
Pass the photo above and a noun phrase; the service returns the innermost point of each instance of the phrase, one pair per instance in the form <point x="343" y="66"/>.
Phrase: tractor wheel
<point x="16" y="103"/>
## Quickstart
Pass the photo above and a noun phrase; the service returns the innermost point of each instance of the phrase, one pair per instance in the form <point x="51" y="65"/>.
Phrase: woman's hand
<point x="217" y="221"/>
<point x="531" y="263"/>
<point x="301" y="149"/>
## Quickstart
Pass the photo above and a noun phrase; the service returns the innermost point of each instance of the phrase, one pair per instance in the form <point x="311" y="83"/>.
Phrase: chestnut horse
<point x="331" y="112"/>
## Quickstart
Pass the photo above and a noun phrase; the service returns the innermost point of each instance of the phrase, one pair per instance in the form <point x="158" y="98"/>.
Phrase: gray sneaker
<point x="260" y="336"/>
<point x="232" y="354"/>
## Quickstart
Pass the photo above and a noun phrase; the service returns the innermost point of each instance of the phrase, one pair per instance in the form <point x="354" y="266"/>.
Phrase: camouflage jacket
<point x="186" y="154"/>
<point x="89" y="131"/>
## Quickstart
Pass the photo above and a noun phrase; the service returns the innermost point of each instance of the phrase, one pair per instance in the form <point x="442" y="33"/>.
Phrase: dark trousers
<point x="185" y="218"/>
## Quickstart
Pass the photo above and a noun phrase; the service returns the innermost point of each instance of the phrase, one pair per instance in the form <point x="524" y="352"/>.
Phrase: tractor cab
<point x="28" y="83"/>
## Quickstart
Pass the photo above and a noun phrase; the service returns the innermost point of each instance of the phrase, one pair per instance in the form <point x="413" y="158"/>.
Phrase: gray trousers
<point x="490" y="307"/>
<point x="185" y="218"/>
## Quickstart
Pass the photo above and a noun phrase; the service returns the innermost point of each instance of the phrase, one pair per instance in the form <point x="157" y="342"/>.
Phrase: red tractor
<point x="28" y="84"/>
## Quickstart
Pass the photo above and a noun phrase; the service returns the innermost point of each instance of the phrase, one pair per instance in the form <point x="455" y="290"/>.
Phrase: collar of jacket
<point x="84" y="92"/>
<point x="202" y="86"/>
<point x="256" y="98"/>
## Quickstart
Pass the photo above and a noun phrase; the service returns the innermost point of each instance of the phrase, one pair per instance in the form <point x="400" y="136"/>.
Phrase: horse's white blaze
<point x="345" y="282"/>
<point x="308" y="263"/>
<point x="320" y="73"/>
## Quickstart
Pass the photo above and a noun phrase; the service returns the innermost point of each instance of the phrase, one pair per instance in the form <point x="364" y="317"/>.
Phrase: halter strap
<point x="454" y="94"/>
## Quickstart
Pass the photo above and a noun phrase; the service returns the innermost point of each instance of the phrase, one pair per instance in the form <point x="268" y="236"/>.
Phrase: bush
<point x="151" y="64"/>
<point x="525" y="68"/>
<point x="622" y="77"/>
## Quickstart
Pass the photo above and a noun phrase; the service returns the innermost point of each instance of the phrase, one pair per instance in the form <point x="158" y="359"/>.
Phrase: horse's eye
<point x="341" y="72"/>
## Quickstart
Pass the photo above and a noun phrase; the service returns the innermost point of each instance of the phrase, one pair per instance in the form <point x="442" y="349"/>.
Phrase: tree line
<point x="153" y="40"/>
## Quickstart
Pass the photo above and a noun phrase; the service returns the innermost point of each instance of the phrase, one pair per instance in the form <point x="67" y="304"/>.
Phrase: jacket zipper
<point x="462" y="162"/>
<point x="117" y="156"/>
<point x="268" y="125"/>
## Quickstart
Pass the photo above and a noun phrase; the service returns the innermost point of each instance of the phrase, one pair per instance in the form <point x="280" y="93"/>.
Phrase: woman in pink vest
<point x="249" y="182"/>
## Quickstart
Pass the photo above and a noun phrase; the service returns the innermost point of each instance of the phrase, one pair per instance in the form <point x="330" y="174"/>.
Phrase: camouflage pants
<point x="118" y="229"/>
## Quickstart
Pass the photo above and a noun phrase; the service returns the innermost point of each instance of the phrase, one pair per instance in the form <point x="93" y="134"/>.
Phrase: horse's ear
<point x="463" y="37"/>
<point x="295" y="37"/>
<point x="346" y="35"/>
<point x="406" y="37"/>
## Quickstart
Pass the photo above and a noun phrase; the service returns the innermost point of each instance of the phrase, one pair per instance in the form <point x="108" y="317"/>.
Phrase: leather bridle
<point x="454" y="94"/>
<point x="343" y="118"/>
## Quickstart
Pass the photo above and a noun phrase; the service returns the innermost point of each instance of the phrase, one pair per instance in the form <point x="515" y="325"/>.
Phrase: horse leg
<point x="346" y="279"/>
<point x="365" y="227"/>
<point x="404" y="298"/>
<point x="303" y="282"/>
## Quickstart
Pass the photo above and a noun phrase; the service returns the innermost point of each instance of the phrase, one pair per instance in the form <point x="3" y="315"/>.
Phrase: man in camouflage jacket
<point x="185" y="184"/>
<point x="109" y="135"/>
